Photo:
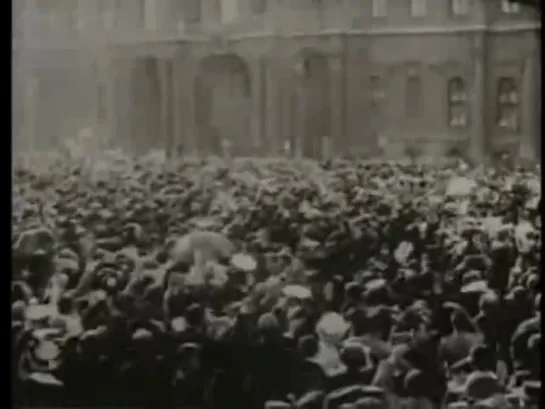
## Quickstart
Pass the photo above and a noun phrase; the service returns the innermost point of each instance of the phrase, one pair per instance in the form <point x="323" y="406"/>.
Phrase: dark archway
<point x="222" y="95"/>
<point x="145" y="100"/>
<point x="315" y="103"/>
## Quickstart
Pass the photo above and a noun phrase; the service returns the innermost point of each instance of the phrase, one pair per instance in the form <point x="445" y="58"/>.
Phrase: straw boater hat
<point x="277" y="404"/>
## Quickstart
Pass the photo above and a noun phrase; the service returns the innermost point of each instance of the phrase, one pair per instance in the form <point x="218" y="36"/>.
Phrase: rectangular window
<point x="258" y="6"/>
<point x="508" y="118"/>
<point x="457" y="103"/>
<point x="376" y="88"/>
<point x="119" y="12"/>
<point x="413" y="96"/>
<point x="106" y="10"/>
<point x="379" y="8"/>
<point x="192" y="10"/>
<point x="81" y="22"/>
<point x="60" y="14"/>
<point x="509" y="7"/>
<point x="457" y="116"/>
<point x="418" y="8"/>
<point x="508" y="104"/>
<point x="150" y="14"/>
<point x="460" y="7"/>
<point x="49" y="5"/>
<point x="128" y="13"/>
<point x="139" y="12"/>
<point x="229" y="11"/>
<point x="108" y="18"/>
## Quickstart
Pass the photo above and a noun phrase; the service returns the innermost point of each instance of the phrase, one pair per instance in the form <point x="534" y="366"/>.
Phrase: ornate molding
<point x="406" y="68"/>
<point x="450" y="68"/>
<point x="219" y="43"/>
<point x="513" y="65"/>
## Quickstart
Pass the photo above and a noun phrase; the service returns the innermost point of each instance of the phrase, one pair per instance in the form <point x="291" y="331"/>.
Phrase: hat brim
<point x="243" y="262"/>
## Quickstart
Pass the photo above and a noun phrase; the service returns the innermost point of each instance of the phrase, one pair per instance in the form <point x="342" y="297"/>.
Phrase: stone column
<point x="164" y="104"/>
<point x="152" y="11"/>
<point x="274" y="144"/>
<point x="31" y="98"/>
<point x="336" y="98"/>
<point x="285" y="108"/>
<point x="530" y="111"/>
<point x="110" y="78"/>
<point x="301" y="102"/>
<point x="185" y="125"/>
<point x="258" y="93"/>
<point x="479" y="111"/>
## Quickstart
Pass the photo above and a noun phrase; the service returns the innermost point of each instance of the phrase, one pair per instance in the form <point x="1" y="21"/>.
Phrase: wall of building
<point x="300" y="73"/>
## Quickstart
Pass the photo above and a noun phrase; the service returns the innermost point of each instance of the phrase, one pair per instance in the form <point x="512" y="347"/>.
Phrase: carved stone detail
<point x="450" y="68"/>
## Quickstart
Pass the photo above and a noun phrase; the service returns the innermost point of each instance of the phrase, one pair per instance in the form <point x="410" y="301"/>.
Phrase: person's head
<point x="488" y="303"/>
<point x="18" y="311"/>
<point x="517" y="296"/>
<point x="189" y="356"/>
<point x="416" y="384"/>
<point x="268" y="325"/>
<point x="370" y="402"/>
<point x="483" y="358"/>
<point x="358" y="319"/>
<point x="355" y="356"/>
<point x="65" y="304"/>
<point x="194" y="315"/>
<point x="20" y="291"/>
<point x="461" y="321"/>
<point x="308" y="346"/>
<point x="352" y="291"/>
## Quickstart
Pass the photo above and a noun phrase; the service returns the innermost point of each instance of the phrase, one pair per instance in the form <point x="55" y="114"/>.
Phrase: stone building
<point x="315" y="77"/>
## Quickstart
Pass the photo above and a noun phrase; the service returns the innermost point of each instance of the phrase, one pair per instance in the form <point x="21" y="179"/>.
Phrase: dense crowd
<point x="275" y="284"/>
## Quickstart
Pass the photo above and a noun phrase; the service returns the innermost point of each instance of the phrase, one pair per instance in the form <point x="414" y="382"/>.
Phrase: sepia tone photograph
<point x="276" y="204"/>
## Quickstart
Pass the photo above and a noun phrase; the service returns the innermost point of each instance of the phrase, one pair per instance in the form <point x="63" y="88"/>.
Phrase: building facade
<point x="312" y="77"/>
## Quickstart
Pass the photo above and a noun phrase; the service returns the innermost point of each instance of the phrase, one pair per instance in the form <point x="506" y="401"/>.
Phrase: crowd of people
<point x="275" y="283"/>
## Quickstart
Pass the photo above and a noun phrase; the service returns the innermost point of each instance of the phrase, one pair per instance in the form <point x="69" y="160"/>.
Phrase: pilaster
<point x="337" y="102"/>
<point x="301" y="108"/>
<point x="257" y="119"/>
<point x="529" y="143"/>
<point x="479" y="107"/>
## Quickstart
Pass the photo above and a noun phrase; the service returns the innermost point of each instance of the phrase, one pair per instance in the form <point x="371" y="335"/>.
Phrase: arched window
<point x="418" y="8"/>
<point x="107" y="13"/>
<point x="228" y="10"/>
<point x="459" y="7"/>
<point x="413" y="96"/>
<point x="128" y="13"/>
<point x="457" y="103"/>
<point x="258" y="6"/>
<point x="61" y="14"/>
<point x="510" y="7"/>
<point x="379" y="8"/>
<point x="508" y="104"/>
